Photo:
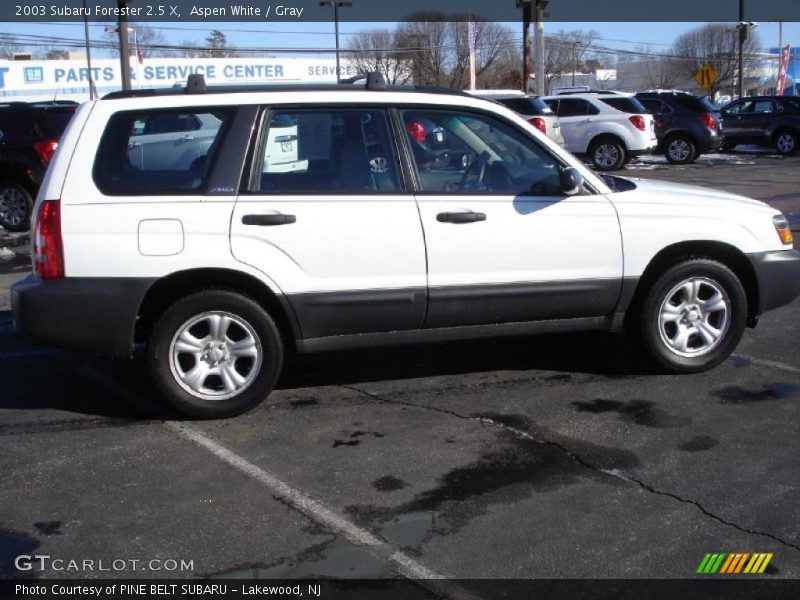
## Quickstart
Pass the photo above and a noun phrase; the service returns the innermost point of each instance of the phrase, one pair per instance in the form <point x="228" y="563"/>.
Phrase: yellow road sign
<point x="706" y="76"/>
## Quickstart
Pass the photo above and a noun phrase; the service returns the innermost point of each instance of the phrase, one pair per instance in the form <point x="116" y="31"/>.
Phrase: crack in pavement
<point x="520" y="433"/>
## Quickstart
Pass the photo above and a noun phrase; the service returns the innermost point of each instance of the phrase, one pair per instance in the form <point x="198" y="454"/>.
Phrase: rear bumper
<point x="778" y="276"/>
<point x="90" y="314"/>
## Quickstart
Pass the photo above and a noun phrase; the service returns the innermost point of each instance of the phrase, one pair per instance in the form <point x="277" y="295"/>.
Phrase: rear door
<point x="325" y="214"/>
<point x="574" y="117"/>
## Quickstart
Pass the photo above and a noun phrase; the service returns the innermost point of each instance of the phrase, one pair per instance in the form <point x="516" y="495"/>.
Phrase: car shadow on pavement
<point x="42" y="378"/>
<point x="598" y="354"/>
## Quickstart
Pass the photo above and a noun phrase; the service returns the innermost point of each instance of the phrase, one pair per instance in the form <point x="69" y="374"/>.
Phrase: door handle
<point x="267" y="220"/>
<point x="460" y="217"/>
<point x="187" y="138"/>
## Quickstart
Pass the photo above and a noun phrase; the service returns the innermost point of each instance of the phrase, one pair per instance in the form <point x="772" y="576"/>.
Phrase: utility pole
<point x="124" y="52"/>
<point x="539" y="19"/>
<point x="742" y="35"/>
<point x="526" y="6"/>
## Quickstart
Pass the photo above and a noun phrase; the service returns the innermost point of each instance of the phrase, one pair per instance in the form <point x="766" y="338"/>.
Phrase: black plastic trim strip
<point x="450" y="334"/>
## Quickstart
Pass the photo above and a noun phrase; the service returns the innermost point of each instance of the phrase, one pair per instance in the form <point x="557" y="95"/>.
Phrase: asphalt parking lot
<point x="544" y="457"/>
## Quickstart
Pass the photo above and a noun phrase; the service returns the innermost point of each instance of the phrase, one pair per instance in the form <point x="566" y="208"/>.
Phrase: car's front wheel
<point x="215" y="354"/>
<point x="16" y="204"/>
<point x="607" y="154"/>
<point x="680" y="150"/>
<point x="693" y="316"/>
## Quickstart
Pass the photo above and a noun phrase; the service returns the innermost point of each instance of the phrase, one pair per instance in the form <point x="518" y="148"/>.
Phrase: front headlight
<point x="782" y="227"/>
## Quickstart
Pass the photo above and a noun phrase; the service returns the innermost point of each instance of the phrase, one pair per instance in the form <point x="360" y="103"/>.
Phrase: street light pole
<point x="88" y="51"/>
<point x="336" y="6"/>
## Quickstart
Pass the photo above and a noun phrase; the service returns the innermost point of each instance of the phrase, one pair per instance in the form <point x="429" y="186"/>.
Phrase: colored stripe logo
<point x="736" y="562"/>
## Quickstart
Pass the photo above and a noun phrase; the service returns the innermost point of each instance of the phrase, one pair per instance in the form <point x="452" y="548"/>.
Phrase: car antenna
<point x="196" y="84"/>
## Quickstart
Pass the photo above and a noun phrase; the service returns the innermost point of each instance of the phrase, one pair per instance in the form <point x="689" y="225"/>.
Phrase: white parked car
<point x="529" y="107"/>
<point x="609" y="128"/>
<point x="220" y="269"/>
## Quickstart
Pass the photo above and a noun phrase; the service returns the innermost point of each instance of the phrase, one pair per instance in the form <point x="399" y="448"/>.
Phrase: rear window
<point x="626" y="105"/>
<point x="60" y="118"/>
<point x="694" y="103"/>
<point x="164" y="151"/>
<point x="526" y="106"/>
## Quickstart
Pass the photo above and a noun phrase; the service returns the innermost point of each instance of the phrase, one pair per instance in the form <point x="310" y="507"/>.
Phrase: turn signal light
<point x="782" y="227"/>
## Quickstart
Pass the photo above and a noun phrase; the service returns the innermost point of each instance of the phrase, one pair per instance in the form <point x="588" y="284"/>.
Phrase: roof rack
<point x="569" y="92"/>
<point x="372" y="81"/>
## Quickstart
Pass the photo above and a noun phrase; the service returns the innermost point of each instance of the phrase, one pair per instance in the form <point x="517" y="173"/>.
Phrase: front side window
<point x="456" y="152"/>
<point x="325" y="151"/>
<point x="159" y="151"/>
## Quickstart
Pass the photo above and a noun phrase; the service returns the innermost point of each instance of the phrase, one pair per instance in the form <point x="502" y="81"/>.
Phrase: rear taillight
<point x="45" y="149"/>
<point x="709" y="121"/>
<point x="48" y="251"/>
<point x="539" y="123"/>
<point x="638" y="121"/>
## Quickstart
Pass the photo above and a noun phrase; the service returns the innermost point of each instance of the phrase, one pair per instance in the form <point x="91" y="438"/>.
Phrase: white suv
<point x="610" y="128"/>
<point x="220" y="267"/>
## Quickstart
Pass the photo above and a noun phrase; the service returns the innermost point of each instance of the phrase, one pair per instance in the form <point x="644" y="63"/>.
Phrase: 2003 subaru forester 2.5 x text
<point x="222" y="227"/>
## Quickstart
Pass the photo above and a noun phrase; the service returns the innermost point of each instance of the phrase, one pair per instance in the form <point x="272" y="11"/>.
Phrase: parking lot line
<point x="771" y="364"/>
<point x="310" y="507"/>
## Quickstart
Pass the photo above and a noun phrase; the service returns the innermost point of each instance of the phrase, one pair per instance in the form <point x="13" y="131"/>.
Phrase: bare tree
<point x="566" y="51"/>
<point x="439" y="49"/>
<point x="425" y="39"/>
<point x="715" y="44"/>
<point x="9" y="46"/>
<point x="190" y="49"/>
<point x="371" y="50"/>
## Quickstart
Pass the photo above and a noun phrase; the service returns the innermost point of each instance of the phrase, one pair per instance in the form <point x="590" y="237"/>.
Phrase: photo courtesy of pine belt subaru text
<point x="220" y="229"/>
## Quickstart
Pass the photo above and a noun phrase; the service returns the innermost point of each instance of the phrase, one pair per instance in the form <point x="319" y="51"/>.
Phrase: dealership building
<point x="70" y="79"/>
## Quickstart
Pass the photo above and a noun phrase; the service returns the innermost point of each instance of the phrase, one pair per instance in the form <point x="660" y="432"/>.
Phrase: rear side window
<point x="574" y="107"/>
<point x="626" y="105"/>
<point x="694" y="103"/>
<point x="326" y="151"/>
<point x="159" y="151"/>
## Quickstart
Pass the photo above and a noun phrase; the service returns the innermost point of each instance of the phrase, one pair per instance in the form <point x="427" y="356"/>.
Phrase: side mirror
<point x="571" y="180"/>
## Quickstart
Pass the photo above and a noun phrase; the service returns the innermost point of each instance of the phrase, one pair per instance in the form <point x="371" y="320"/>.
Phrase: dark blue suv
<point x="686" y="125"/>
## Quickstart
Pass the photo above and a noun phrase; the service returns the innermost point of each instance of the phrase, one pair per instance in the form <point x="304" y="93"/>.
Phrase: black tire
<point x="16" y="204"/>
<point x="607" y="154"/>
<point x="680" y="150"/>
<point x="711" y="275"/>
<point x="250" y="322"/>
<point x="786" y="142"/>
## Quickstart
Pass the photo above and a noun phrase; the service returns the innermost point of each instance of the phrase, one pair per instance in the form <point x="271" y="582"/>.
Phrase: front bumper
<point x="92" y="314"/>
<point x="778" y="276"/>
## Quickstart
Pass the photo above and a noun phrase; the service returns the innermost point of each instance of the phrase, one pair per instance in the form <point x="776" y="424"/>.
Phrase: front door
<point x="326" y="215"/>
<point x="504" y="243"/>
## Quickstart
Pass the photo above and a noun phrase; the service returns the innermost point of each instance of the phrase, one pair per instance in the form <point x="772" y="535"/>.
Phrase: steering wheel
<point x="475" y="171"/>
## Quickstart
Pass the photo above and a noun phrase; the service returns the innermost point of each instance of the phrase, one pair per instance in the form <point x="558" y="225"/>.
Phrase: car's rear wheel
<point x="693" y="316"/>
<point x="680" y="150"/>
<point x="215" y="354"/>
<point x="786" y="142"/>
<point x="16" y="204"/>
<point x="607" y="154"/>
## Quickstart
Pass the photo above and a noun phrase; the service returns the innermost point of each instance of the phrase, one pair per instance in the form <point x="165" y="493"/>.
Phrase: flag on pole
<point x="139" y="54"/>
<point x="782" y="67"/>
<point x="472" y="37"/>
